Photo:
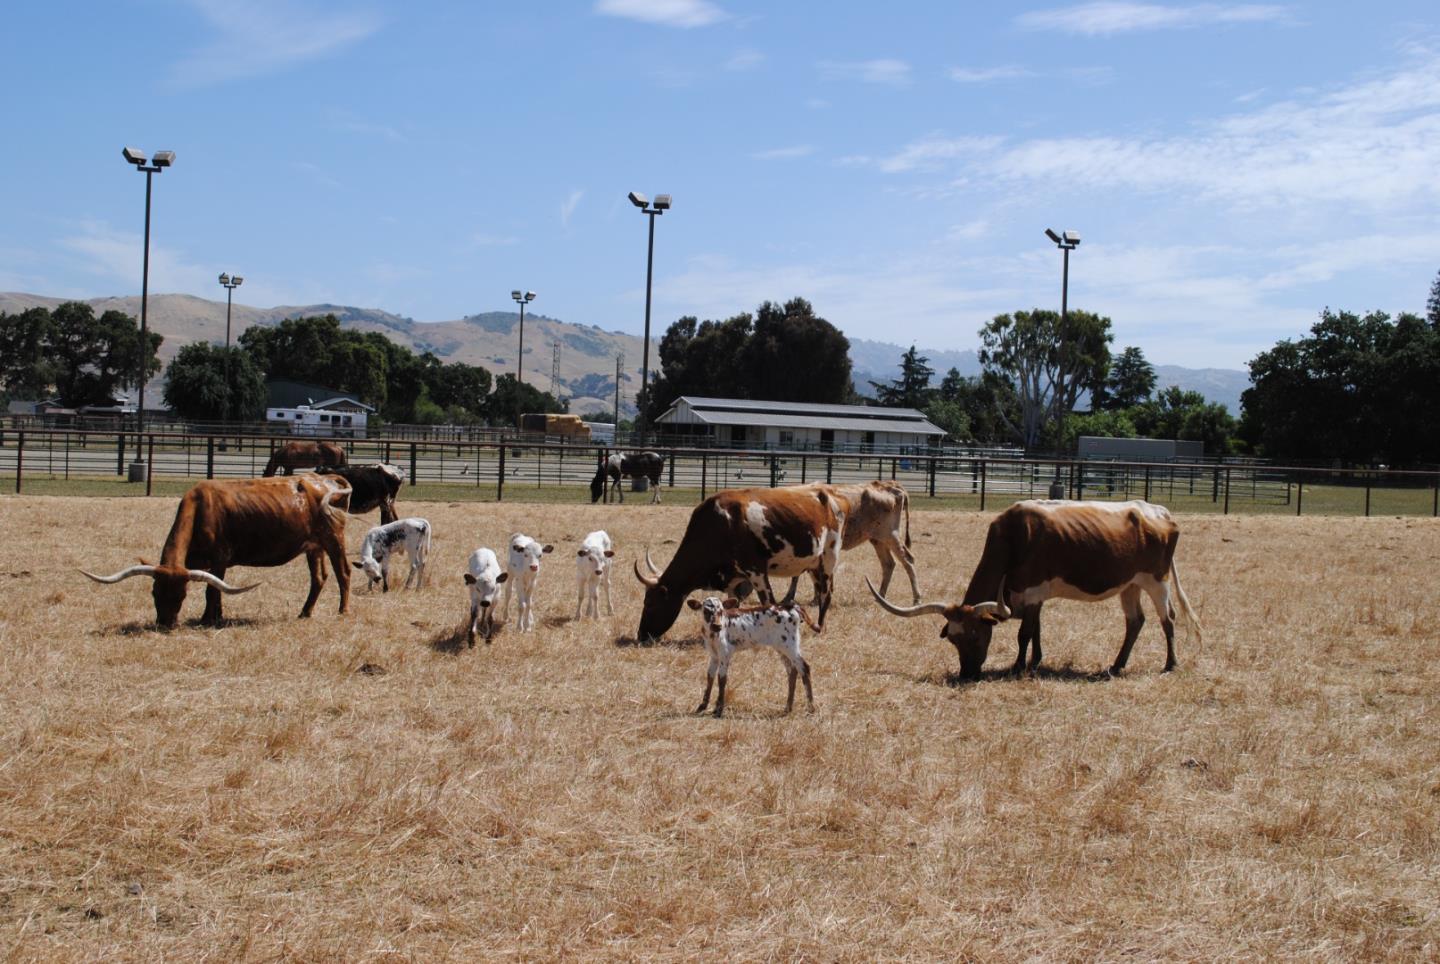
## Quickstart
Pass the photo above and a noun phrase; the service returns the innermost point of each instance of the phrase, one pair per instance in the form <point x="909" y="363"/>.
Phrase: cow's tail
<point x="1184" y="604"/>
<point x="333" y="511"/>
<point x="905" y="504"/>
<point x="805" y="615"/>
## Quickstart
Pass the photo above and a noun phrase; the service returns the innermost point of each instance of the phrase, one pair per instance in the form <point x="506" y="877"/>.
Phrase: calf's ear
<point x="502" y="577"/>
<point x="548" y="549"/>
<point x="693" y="603"/>
<point x="581" y="552"/>
<point x="469" y="579"/>
<point x="609" y="553"/>
<point x="731" y="603"/>
<point x="356" y="564"/>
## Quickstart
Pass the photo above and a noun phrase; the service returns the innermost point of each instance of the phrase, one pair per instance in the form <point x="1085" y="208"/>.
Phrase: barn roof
<point x="758" y="412"/>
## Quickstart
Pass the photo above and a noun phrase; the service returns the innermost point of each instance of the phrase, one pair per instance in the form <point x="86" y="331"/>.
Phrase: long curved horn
<point x="650" y="581"/>
<point x="123" y="573"/>
<point x="924" y="609"/>
<point x="200" y="575"/>
<point x="653" y="571"/>
<point x="998" y="609"/>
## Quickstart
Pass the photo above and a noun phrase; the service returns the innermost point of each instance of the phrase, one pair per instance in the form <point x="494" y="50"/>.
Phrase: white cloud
<point x="895" y="73"/>
<point x="784" y="153"/>
<point x="1113" y="16"/>
<point x="745" y="60"/>
<point x="669" y="13"/>
<point x="568" y="206"/>
<point x="118" y="256"/>
<point x="988" y="75"/>
<point x="266" y="36"/>
<point x="928" y="152"/>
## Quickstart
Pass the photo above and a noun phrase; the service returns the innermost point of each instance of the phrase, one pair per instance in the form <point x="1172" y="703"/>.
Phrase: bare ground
<point x="362" y="786"/>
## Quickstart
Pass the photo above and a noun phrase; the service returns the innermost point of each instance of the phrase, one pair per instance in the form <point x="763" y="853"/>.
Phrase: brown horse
<point x="304" y="455"/>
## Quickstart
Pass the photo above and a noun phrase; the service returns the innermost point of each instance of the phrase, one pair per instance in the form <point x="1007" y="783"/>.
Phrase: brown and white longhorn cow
<point x="1088" y="551"/>
<point x="747" y="536"/>
<point x="876" y="510"/>
<point x="247" y="522"/>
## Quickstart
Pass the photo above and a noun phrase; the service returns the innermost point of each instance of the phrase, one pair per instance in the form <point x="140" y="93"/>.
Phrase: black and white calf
<point x="592" y="571"/>
<point x="522" y="565"/>
<point x="483" y="575"/>
<point x="410" y="536"/>
<point x="631" y="464"/>
<point x="729" y="629"/>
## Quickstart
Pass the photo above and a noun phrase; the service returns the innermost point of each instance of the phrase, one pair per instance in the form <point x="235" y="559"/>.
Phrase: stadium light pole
<point x="158" y="163"/>
<point x="230" y="283"/>
<point x="1067" y="241"/>
<point x="522" y="298"/>
<point x="653" y="210"/>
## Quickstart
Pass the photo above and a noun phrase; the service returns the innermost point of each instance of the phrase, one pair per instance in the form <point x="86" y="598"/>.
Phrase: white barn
<point x="750" y="423"/>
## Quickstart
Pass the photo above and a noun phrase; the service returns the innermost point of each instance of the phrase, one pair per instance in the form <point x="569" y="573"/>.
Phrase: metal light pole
<point x="230" y="283"/>
<point x="659" y="207"/>
<point x="1066" y="242"/>
<point x="158" y="163"/>
<point x="522" y="298"/>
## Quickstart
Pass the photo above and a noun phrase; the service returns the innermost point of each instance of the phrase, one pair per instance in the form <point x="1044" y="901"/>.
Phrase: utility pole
<point x="555" y="372"/>
<point x="619" y="361"/>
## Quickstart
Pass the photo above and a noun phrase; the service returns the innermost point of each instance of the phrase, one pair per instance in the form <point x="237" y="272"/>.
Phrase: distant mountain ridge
<point x="587" y="352"/>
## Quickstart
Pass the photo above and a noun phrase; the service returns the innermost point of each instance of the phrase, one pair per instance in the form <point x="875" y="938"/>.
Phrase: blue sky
<point x="1232" y="167"/>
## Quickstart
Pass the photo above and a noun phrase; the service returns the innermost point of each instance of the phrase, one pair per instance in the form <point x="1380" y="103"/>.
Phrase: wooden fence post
<point x="1299" y="492"/>
<point x="703" y="480"/>
<point x="210" y="457"/>
<point x="19" y="462"/>
<point x="982" y="485"/>
<point x="120" y="454"/>
<point x="500" y="476"/>
<point x="413" y="476"/>
<point x="1227" y="491"/>
<point x="150" y="463"/>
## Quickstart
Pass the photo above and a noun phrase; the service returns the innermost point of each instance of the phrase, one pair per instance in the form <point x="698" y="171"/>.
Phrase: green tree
<point x="501" y="407"/>
<point x="26" y="368"/>
<point x="912" y="388"/>
<point x="96" y="357"/>
<point x="1178" y="414"/>
<point x="1112" y="423"/>
<point x="195" y="385"/>
<point x="1049" y="364"/>
<point x="988" y="405"/>
<point x="1130" y="382"/>
<point x="782" y="353"/>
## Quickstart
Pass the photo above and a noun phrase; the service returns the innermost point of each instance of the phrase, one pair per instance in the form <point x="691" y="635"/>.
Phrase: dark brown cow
<point x="370" y="486"/>
<point x="304" y="455"/>
<point x="247" y="522"/>
<point x="740" y="536"/>
<point x="1087" y="551"/>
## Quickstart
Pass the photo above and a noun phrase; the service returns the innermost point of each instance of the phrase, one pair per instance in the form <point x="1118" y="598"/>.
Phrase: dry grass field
<point x="251" y="793"/>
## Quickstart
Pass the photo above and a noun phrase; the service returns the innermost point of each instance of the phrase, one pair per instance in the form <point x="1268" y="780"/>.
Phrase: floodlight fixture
<point x="136" y="157"/>
<point x="1050" y="233"/>
<point x="515" y="294"/>
<point x="236" y="280"/>
<point x="661" y="205"/>
<point x="639" y="200"/>
<point x="1072" y="238"/>
<point x="224" y="278"/>
<point x="662" y="202"/>
<point x="163" y="158"/>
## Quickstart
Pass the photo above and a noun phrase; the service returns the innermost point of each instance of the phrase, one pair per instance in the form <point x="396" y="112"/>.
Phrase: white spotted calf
<point x="484" y="576"/>
<point x="592" y="570"/>
<point x="410" y="536"/>
<point x="729" y="629"/>
<point x="522" y="565"/>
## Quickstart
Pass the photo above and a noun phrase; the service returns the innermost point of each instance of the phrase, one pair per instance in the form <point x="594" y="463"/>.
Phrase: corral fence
<point x="100" y="463"/>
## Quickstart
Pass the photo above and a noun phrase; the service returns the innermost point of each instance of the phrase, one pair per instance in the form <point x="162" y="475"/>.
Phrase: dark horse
<point x="304" y="455"/>
<point x="633" y="465"/>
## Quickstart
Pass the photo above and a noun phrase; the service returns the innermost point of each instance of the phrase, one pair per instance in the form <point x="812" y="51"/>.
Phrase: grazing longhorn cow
<point x="746" y="536"/>
<point x="247" y="522"/>
<point x="631" y="465"/>
<point x="371" y="486"/>
<point x="1087" y="551"/>
<point x="874" y="516"/>
<point x="304" y="455"/>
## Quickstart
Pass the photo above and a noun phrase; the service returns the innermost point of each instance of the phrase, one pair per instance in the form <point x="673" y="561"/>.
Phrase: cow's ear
<point x="356" y="564"/>
<point x="731" y="603"/>
<point x="548" y="549"/>
<point x="469" y="579"/>
<point x="693" y="603"/>
<point x="609" y="553"/>
<point x="580" y="553"/>
<point x="502" y="577"/>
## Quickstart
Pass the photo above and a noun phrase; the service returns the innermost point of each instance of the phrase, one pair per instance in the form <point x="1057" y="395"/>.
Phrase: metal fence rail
<point x="61" y="462"/>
